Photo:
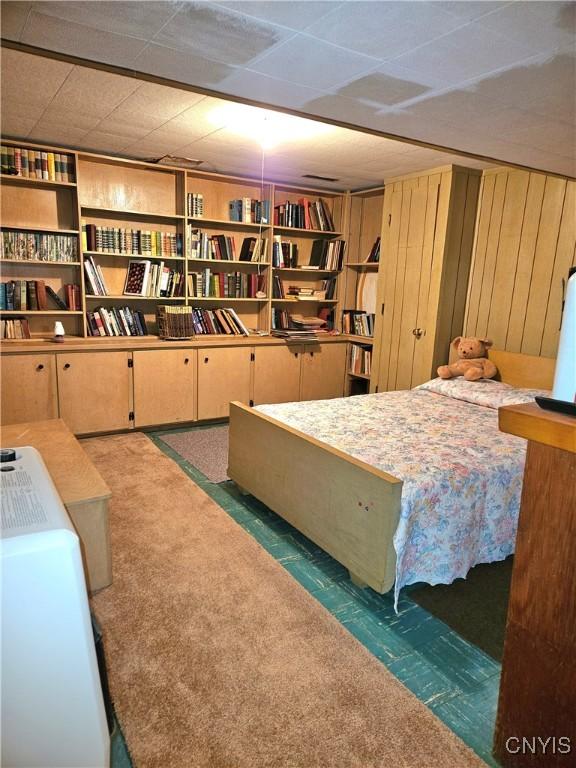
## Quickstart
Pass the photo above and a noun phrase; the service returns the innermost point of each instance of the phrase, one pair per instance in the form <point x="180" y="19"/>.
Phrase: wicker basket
<point x="174" y="322"/>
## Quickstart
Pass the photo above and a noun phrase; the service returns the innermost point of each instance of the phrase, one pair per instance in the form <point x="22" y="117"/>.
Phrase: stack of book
<point x="249" y="211"/>
<point x="174" y="322"/>
<point x="374" y="255"/>
<point x="295" y="326"/>
<point x="223" y="247"/>
<point x="327" y="254"/>
<point x="237" y="285"/>
<point x="209" y="322"/>
<point x="360" y="360"/>
<point x="116" y="321"/>
<point x="35" y="164"/>
<point x="357" y="322"/>
<point x="35" y="246"/>
<point x="284" y="253"/>
<point x="33" y="295"/>
<point x="304" y="215"/>
<point x="144" y="278"/>
<point x="15" y="328"/>
<point x="137" y="242"/>
<point x="195" y="205"/>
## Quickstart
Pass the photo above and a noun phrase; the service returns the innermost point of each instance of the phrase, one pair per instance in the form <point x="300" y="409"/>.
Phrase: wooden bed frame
<point x="344" y="505"/>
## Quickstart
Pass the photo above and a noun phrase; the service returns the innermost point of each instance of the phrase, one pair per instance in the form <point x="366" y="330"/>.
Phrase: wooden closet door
<point x="411" y="224"/>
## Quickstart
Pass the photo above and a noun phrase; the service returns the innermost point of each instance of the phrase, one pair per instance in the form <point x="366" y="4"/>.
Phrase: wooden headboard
<point x="523" y="370"/>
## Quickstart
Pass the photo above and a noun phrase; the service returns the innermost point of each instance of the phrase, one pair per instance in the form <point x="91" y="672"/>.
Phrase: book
<point x="137" y="278"/>
<point x="55" y="297"/>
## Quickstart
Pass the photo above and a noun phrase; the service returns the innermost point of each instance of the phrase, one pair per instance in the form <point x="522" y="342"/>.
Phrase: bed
<point x="399" y="487"/>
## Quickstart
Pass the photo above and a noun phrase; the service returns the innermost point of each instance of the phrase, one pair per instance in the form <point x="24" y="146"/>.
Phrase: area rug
<point x="219" y="659"/>
<point x="206" y="448"/>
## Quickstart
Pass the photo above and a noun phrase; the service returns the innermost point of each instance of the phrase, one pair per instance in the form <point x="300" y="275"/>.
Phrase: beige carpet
<point x="205" y="448"/>
<point x="218" y="658"/>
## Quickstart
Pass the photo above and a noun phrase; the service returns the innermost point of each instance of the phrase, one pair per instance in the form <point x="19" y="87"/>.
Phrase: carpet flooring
<point x="205" y="448"/>
<point x="217" y="657"/>
<point x="475" y="607"/>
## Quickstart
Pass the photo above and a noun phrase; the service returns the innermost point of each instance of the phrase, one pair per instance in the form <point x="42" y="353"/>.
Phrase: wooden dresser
<point x="538" y="685"/>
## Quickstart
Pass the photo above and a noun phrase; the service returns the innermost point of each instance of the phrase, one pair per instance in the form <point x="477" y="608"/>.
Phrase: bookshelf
<point x="122" y="201"/>
<point x="360" y="280"/>
<point x="40" y="243"/>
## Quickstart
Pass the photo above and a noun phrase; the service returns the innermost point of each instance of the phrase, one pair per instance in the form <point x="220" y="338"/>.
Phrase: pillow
<point x="486" y="392"/>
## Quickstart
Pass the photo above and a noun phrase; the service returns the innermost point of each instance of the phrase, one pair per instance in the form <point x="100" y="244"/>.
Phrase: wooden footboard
<point x="347" y="507"/>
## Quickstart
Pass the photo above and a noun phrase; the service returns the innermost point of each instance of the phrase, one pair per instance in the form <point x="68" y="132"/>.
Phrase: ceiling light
<point x="266" y="127"/>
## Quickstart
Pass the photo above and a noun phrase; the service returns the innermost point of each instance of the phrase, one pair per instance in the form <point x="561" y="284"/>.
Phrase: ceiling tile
<point x="159" y="101"/>
<point x="383" y="29"/>
<point x="16" y="125"/>
<point x="313" y="63"/>
<point x="542" y="26"/>
<point x="269" y="90"/>
<point x="182" y="66"/>
<point x="295" y="15"/>
<point x="13" y="17"/>
<point x="47" y="133"/>
<point x="93" y="92"/>
<point x="31" y="80"/>
<point x="134" y="19"/>
<point x="55" y="34"/>
<point x="216" y="32"/>
<point x="467" y="10"/>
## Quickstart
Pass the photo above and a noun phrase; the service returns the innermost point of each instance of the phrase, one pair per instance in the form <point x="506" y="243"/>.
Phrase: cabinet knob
<point x="40" y="367"/>
<point x="66" y="366"/>
<point x="311" y="354"/>
<point x="418" y="332"/>
<point x="205" y="359"/>
<point x="186" y="360"/>
<point x="295" y="354"/>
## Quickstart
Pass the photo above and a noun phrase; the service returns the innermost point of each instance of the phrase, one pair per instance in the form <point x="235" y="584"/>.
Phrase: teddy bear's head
<point x="470" y="347"/>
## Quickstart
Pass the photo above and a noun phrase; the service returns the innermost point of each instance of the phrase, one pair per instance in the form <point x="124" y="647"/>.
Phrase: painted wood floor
<point x="454" y="678"/>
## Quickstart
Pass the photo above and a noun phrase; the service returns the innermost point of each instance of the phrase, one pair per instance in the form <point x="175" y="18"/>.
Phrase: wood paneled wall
<point x="525" y="242"/>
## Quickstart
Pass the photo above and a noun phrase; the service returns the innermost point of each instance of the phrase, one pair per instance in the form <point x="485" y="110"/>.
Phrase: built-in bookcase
<point x="359" y="283"/>
<point x="114" y="203"/>
<point x="40" y="206"/>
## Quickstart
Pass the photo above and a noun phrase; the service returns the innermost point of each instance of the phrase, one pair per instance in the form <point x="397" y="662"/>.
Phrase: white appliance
<point x="52" y="709"/>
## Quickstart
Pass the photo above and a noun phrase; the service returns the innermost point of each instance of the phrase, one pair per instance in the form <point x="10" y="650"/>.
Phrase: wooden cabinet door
<point x="277" y="374"/>
<point x="28" y="387"/>
<point x="323" y="371"/>
<point x="95" y="391"/>
<point x="164" y="386"/>
<point x="224" y="374"/>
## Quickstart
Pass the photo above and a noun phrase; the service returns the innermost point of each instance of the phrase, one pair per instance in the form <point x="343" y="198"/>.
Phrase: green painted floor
<point x="455" y="679"/>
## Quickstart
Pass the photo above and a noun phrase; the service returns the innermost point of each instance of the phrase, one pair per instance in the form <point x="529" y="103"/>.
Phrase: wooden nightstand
<point x="538" y="685"/>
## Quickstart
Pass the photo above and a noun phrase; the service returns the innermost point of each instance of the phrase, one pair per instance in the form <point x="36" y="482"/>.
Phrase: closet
<point x="426" y="245"/>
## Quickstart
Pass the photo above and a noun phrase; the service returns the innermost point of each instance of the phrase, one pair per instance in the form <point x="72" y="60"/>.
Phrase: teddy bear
<point x="472" y="362"/>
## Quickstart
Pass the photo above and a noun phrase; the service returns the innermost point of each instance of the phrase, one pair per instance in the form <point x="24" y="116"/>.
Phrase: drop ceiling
<point x="496" y="79"/>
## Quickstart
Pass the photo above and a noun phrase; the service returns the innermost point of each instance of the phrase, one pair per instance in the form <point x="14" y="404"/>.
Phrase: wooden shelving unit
<point x="123" y="194"/>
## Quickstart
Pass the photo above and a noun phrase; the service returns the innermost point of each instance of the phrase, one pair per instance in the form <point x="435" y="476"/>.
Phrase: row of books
<point x="145" y="278"/>
<point x="15" y="328"/>
<point x="33" y="295"/>
<point x="35" y="246"/>
<point x="210" y="322"/>
<point x="137" y="242"/>
<point x="360" y="360"/>
<point x="223" y="247"/>
<point x="237" y="285"/>
<point x="35" y="164"/>
<point x="195" y="205"/>
<point x="116" y="321"/>
<point x="328" y="254"/>
<point x="249" y="211"/>
<point x="284" y="253"/>
<point x="358" y="322"/>
<point x="304" y="214"/>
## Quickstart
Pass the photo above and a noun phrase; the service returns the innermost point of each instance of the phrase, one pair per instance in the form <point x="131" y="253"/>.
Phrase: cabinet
<point x="224" y="374"/>
<point x="323" y="371"/>
<point x="164" y="386"/>
<point x="277" y="373"/>
<point x="28" y="388"/>
<point x="95" y="390"/>
<point x="426" y="245"/>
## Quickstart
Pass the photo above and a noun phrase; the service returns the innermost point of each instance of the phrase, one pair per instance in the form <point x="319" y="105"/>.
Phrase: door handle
<point x="418" y="332"/>
<point x="186" y="360"/>
<point x="66" y="366"/>
<point x="205" y="359"/>
<point x="40" y="367"/>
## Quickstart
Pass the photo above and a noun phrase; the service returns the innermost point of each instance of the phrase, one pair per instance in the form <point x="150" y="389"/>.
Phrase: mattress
<point x="462" y="478"/>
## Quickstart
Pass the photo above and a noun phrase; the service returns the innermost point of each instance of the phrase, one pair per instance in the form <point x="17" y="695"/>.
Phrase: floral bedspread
<point x="462" y="478"/>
